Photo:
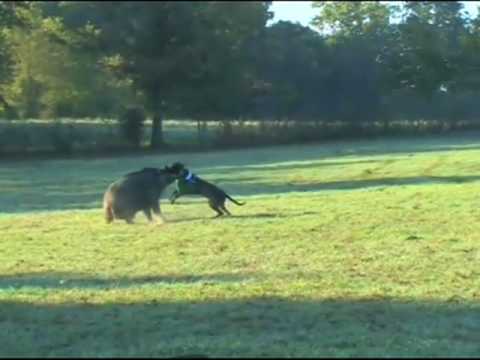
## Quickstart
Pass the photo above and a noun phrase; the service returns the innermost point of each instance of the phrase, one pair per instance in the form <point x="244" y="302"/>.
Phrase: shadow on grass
<point x="75" y="281"/>
<point x="80" y="184"/>
<point x="281" y="167"/>
<point x="14" y="203"/>
<point x="254" y="326"/>
<point x="392" y="181"/>
<point x="244" y="216"/>
<point x="248" y="189"/>
<point x="409" y="146"/>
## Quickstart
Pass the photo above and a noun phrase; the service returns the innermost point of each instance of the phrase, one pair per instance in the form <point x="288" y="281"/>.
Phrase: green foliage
<point x="53" y="76"/>
<point x="353" y="19"/>
<point x="423" y="51"/>
<point x="12" y="14"/>
<point x="203" y="61"/>
<point x="293" y="63"/>
<point x="429" y="46"/>
<point x="193" y="41"/>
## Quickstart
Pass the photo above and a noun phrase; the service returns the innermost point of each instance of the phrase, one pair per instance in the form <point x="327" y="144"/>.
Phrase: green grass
<point x="349" y="249"/>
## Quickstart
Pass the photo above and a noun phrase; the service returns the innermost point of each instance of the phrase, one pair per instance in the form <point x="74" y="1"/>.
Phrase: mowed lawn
<point x="343" y="249"/>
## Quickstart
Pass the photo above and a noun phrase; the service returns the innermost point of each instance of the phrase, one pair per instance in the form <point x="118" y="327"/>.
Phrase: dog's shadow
<point x="233" y="217"/>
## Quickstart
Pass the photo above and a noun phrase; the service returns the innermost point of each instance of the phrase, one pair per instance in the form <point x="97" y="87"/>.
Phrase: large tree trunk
<point x="156" y="140"/>
<point x="227" y="130"/>
<point x="201" y="131"/>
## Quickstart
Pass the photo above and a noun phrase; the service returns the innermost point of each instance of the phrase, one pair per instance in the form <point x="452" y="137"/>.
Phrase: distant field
<point x="67" y="135"/>
<point x="349" y="249"/>
<point x="33" y="135"/>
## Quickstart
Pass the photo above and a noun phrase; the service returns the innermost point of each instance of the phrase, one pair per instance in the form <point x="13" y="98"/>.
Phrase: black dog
<point x="190" y="184"/>
<point x="139" y="190"/>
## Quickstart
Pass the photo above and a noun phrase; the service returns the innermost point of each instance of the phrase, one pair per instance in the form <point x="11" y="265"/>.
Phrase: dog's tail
<point x="107" y="207"/>
<point x="233" y="200"/>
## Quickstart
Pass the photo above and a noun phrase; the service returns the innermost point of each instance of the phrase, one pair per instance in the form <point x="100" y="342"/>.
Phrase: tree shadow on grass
<point x="91" y="200"/>
<point x="301" y="165"/>
<point x="336" y="150"/>
<point x="263" y="326"/>
<point x="241" y="216"/>
<point x="248" y="189"/>
<point x="393" y="181"/>
<point x="24" y="194"/>
<point x="70" y="185"/>
<point x="54" y="280"/>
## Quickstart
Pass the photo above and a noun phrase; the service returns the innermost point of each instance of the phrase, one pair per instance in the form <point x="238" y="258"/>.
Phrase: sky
<point x="302" y="11"/>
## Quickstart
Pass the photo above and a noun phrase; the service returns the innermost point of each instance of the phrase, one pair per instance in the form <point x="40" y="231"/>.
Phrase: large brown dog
<point x="140" y="190"/>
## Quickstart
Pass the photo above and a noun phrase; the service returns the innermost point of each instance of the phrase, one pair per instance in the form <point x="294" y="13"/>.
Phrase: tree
<point x="223" y="89"/>
<point x="293" y="63"/>
<point x="163" y="47"/>
<point x="11" y="14"/>
<point x="360" y="36"/>
<point x="352" y="19"/>
<point x="51" y="77"/>
<point x="468" y="75"/>
<point x="429" y="45"/>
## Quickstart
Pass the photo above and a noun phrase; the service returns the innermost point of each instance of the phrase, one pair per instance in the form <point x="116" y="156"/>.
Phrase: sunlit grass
<point x="353" y="249"/>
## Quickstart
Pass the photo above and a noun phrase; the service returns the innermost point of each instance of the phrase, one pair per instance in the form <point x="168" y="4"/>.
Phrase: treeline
<point x="373" y="68"/>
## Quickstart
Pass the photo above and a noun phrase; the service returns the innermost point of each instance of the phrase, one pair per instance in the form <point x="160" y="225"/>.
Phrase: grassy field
<point x="349" y="249"/>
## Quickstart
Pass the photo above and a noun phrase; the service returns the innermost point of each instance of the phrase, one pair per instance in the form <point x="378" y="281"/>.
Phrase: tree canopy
<point x="216" y="60"/>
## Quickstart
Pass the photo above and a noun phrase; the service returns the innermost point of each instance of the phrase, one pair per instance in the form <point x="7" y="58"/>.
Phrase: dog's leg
<point x="217" y="210"/>
<point x="148" y="214"/>
<point x="156" y="210"/>
<point x="128" y="216"/>
<point x="175" y="195"/>
<point x="225" y="210"/>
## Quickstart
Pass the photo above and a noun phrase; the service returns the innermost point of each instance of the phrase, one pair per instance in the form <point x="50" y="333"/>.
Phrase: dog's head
<point x="170" y="173"/>
<point x="178" y="169"/>
<point x="177" y="166"/>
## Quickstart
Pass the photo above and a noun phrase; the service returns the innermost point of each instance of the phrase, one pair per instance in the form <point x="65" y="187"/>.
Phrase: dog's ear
<point x="170" y="170"/>
<point x="177" y="167"/>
